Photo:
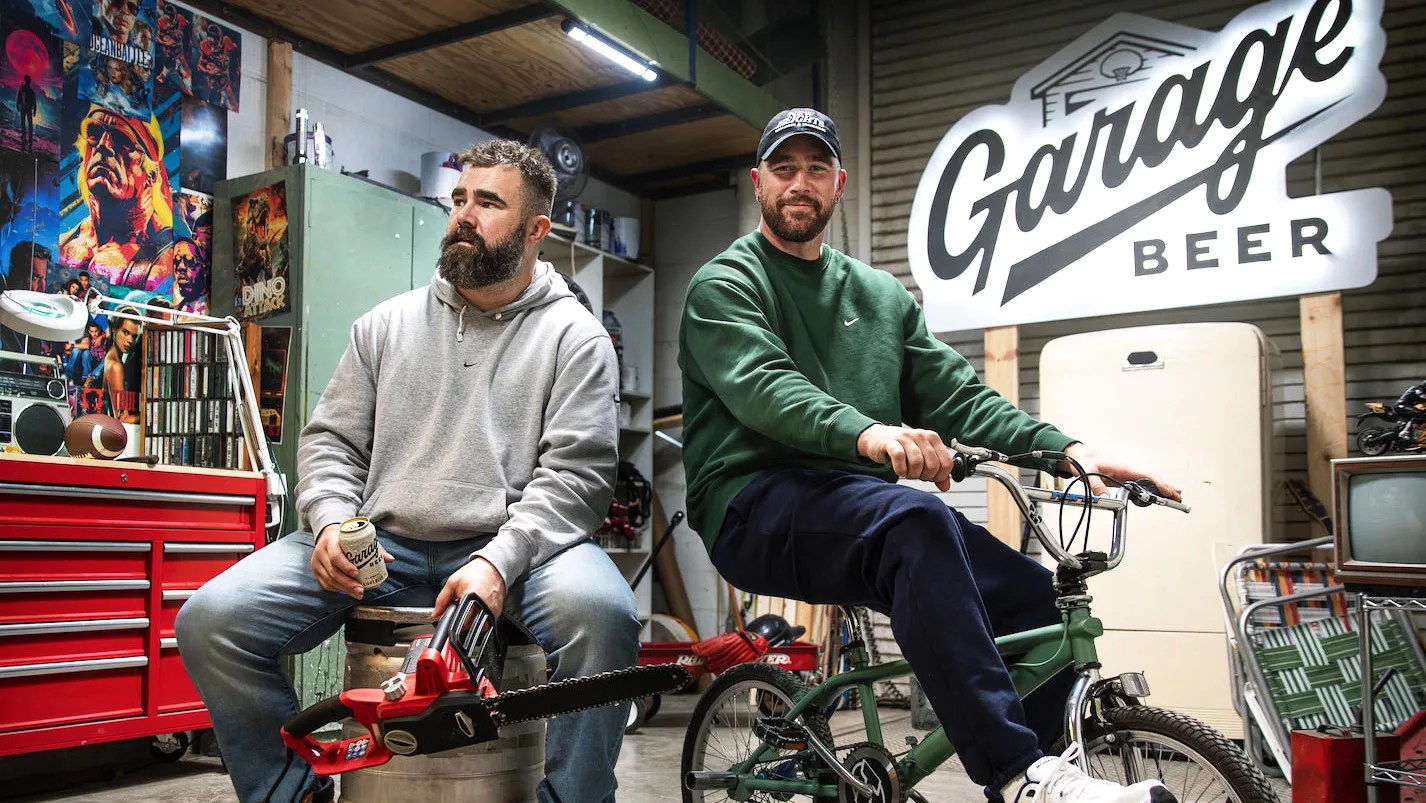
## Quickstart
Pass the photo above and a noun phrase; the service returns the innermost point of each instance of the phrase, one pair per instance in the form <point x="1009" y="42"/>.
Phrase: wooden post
<point x="279" y="100"/>
<point x="1324" y="387"/>
<point x="1002" y="372"/>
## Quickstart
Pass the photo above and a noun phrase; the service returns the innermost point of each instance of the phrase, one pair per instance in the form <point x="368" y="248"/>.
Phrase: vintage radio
<point x="34" y="411"/>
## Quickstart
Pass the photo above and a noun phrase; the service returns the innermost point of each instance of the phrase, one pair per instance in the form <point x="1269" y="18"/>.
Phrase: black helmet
<point x="775" y="629"/>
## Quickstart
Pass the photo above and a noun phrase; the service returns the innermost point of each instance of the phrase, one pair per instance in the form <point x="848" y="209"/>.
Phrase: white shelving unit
<point x="626" y="289"/>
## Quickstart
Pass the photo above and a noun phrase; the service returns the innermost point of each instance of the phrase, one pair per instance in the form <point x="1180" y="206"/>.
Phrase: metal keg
<point x="506" y="770"/>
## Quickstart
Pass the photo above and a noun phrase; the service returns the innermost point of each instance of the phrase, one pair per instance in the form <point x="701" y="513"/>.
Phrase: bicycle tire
<point x="1195" y="762"/>
<point x="713" y="745"/>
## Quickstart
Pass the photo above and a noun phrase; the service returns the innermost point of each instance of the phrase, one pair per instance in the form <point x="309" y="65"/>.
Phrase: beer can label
<point x="358" y="540"/>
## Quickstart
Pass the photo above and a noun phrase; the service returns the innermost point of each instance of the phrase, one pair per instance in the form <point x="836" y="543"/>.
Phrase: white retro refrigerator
<point x="1194" y="403"/>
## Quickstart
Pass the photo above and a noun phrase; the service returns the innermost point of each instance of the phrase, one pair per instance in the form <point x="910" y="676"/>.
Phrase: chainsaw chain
<point x="494" y="705"/>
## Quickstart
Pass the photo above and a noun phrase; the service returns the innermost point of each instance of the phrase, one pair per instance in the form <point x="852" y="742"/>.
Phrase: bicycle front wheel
<point x="1196" y="763"/>
<point x="721" y="731"/>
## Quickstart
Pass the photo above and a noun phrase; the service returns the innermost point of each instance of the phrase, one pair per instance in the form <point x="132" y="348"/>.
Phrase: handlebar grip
<point x="1145" y="492"/>
<point x="1179" y="506"/>
<point x="309" y="720"/>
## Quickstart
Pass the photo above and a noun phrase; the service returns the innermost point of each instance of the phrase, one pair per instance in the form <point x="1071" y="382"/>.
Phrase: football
<point x="97" y="436"/>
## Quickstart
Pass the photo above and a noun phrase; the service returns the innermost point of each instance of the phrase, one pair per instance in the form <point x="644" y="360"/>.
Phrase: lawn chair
<point x="1293" y="652"/>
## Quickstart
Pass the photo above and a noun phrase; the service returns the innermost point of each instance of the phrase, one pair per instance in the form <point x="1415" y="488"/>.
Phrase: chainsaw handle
<point x="332" y="709"/>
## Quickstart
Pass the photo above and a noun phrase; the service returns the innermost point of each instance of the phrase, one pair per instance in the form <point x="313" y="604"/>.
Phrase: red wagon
<point x="799" y="656"/>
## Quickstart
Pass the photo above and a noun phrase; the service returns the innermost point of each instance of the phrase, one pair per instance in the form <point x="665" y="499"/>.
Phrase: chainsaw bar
<point x="582" y="694"/>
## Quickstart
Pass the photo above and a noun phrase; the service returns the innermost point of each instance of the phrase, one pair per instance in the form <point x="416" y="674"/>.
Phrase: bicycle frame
<point x="1042" y="653"/>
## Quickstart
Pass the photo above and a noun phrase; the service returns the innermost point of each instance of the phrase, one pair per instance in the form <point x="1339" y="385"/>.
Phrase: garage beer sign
<point x="1144" y="167"/>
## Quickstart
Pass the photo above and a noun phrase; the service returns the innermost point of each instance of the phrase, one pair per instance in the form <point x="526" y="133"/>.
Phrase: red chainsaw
<point x="444" y="697"/>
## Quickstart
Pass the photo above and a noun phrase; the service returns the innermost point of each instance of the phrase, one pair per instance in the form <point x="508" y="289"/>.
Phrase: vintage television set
<point x="1379" y="511"/>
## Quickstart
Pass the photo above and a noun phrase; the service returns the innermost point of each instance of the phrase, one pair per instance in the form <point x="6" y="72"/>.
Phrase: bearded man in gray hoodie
<point x="474" y="422"/>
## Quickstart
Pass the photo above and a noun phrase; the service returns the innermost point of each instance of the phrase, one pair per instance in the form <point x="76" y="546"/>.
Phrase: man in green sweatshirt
<point x="474" y="422"/>
<point x="810" y="385"/>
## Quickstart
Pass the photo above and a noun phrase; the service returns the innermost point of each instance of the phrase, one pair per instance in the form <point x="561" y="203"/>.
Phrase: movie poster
<point x="217" y="60"/>
<point x="174" y="48"/>
<point x="272" y="379"/>
<point x="193" y="253"/>
<point x="31" y="85"/>
<point x="28" y="232"/>
<point x="116" y="201"/>
<point x="204" y="158"/>
<point x="117" y="70"/>
<point x="260" y="234"/>
<point x="66" y="19"/>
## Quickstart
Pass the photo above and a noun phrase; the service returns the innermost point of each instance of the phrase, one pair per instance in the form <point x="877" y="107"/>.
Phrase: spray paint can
<point x="358" y="540"/>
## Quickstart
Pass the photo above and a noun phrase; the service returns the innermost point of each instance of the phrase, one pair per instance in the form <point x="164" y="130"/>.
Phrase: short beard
<point x="799" y="231"/>
<point x="480" y="265"/>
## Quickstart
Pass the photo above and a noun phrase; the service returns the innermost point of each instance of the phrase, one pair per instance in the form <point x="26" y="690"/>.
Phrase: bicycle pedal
<point x="780" y="733"/>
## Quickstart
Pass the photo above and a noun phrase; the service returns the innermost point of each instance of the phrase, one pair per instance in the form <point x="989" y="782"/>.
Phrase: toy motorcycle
<point x="1391" y="428"/>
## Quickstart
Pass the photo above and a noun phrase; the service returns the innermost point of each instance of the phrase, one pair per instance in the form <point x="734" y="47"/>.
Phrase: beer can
<point x="358" y="540"/>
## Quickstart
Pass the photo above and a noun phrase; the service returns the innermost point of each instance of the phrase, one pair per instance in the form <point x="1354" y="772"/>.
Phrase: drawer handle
<point x="206" y="549"/>
<point x="71" y="667"/>
<point x="178" y="594"/>
<point x="75" y="546"/>
<point x="42" y="586"/>
<point x="86" y="626"/>
<point x="170" y="643"/>
<point x="26" y="489"/>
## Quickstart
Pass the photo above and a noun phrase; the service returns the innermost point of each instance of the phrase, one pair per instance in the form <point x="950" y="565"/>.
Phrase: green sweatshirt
<point x="785" y="361"/>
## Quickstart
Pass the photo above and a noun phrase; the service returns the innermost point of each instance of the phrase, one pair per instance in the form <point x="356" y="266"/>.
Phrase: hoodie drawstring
<point x="460" y="327"/>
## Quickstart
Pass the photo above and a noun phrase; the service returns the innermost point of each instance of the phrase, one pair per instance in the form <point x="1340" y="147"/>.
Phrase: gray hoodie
<point x="442" y="422"/>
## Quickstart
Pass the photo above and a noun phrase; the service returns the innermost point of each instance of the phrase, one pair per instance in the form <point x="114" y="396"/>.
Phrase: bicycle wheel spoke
<point x="1195" y="763"/>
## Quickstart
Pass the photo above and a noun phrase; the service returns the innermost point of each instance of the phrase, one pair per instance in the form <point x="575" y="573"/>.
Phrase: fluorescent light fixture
<point x="609" y="50"/>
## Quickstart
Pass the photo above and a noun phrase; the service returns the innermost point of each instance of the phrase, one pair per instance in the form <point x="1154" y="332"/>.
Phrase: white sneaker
<point x="1056" y="779"/>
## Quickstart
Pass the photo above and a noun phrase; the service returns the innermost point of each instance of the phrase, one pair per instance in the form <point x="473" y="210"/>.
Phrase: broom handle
<point x="649" y="561"/>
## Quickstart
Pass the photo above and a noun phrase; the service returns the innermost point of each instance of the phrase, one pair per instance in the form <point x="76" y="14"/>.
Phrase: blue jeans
<point x="232" y="632"/>
<point x="949" y="586"/>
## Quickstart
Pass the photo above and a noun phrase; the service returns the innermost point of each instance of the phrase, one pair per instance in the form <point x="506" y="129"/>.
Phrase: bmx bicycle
<point x="758" y="733"/>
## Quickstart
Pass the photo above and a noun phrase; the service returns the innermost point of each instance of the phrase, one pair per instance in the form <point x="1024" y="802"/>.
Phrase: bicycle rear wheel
<point x="720" y="734"/>
<point x="1136" y="743"/>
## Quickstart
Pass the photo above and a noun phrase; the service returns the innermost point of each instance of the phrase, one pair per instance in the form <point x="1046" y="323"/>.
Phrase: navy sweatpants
<point x="948" y="585"/>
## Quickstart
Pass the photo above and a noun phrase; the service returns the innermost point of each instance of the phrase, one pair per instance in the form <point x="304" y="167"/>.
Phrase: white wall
<point x="688" y="231"/>
<point x="371" y="128"/>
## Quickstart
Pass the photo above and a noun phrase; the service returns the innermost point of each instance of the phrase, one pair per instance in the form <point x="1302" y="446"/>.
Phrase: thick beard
<point x="799" y="231"/>
<point x="480" y="265"/>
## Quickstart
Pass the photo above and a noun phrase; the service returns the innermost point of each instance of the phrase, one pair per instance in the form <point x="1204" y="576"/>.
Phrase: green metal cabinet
<point x="351" y="245"/>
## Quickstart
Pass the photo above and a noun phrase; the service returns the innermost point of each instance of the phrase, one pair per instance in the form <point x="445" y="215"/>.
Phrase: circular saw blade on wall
<point x="566" y="155"/>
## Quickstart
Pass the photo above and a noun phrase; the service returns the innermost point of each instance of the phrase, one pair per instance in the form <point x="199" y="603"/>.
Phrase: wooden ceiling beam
<point x="335" y="59"/>
<point x="474" y="29"/>
<point x="638" y="125"/>
<point x="721" y="165"/>
<point x="569" y="100"/>
<point x="648" y="36"/>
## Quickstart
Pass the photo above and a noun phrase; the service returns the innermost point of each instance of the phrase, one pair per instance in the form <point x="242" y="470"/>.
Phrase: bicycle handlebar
<point x="1140" y="493"/>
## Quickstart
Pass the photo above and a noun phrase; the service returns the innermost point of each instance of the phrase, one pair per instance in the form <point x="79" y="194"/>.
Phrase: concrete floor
<point x="648" y="770"/>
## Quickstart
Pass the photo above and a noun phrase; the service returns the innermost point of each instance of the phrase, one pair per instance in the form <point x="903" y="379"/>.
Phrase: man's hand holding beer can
<point x="348" y="559"/>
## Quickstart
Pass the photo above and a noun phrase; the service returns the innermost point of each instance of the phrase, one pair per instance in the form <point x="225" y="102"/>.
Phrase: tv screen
<point x="1379" y="506"/>
<point x="1386" y="517"/>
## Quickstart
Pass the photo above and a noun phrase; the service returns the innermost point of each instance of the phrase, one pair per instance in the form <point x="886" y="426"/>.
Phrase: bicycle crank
<point x="875" y="768"/>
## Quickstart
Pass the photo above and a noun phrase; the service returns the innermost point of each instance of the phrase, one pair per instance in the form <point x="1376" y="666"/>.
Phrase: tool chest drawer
<point x="96" y="558"/>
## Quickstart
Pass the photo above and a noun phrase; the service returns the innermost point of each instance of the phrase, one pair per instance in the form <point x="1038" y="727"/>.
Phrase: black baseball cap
<point x="789" y="123"/>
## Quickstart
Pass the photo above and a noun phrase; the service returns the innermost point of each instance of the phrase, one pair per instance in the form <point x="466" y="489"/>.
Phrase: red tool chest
<point x="95" y="560"/>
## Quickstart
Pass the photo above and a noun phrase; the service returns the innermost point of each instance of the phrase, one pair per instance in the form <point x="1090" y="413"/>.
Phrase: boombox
<point x="34" y="410"/>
